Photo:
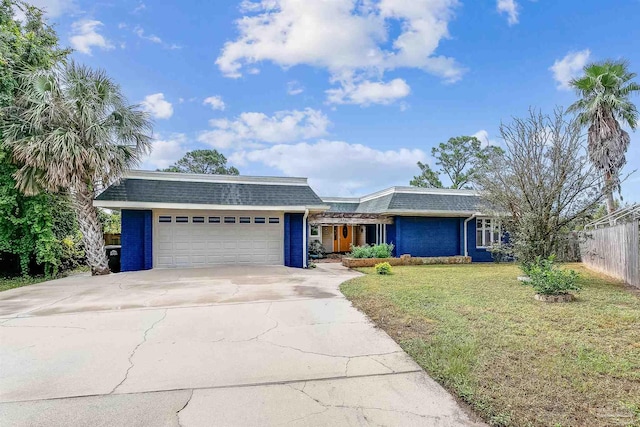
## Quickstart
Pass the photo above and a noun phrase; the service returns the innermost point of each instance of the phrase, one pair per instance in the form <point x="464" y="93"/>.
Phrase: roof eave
<point x="117" y="204"/>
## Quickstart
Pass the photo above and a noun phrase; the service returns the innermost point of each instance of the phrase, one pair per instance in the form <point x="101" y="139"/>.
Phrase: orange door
<point x="344" y="237"/>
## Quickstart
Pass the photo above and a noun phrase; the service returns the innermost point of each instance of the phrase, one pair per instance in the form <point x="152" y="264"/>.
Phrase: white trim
<point x="340" y="199"/>
<point x="114" y="204"/>
<point x="466" y="243"/>
<point x="492" y="222"/>
<point x="194" y="177"/>
<point x="304" y="238"/>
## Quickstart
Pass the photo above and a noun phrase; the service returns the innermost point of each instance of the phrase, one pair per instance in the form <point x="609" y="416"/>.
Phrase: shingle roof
<point x="210" y="193"/>
<point x="410" y="199"/>
<point x="434" y="202"/>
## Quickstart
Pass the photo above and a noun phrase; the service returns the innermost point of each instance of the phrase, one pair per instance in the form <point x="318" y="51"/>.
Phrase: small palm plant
<point x="71" y="129"/>
<point x="604" y="92"/>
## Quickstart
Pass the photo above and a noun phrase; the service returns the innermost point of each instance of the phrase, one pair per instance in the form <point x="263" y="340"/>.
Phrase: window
<point x="259" y="220"/>
<point x="214" y="220"/>
<point x="182" y="219"/>
<point x="197" y="220"/>
<point x="229" y="219"/>
<point x="314" y="230"/>
<point x="487" y="232"/>
<point x="164" y="218"/>
<point x="245" y="220"/>
<point x="274" y="220"/>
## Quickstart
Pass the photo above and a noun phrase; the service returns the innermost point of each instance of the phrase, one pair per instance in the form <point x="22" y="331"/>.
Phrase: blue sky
<point x="348" y="93"/>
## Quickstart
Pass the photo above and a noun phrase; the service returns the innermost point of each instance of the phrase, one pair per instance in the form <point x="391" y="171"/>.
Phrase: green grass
<point x="18" y="282"/>
<point x="516" y="361"/>
<point x="7" y="283"/>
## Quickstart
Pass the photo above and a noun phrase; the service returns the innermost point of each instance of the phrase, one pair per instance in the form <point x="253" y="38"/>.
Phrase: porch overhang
<point x="348" y="218"/>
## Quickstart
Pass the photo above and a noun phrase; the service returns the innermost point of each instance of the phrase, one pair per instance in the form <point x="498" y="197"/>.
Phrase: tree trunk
<point x="611" y="207"/>
<point x="92" y="237"/>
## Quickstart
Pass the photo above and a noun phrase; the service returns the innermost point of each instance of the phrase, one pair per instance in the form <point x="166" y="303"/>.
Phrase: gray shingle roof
<point x="410" y="199"/>
<point x="342" y="206"/>
<point x="210" y="193"/>
<point x="434" y="202"/>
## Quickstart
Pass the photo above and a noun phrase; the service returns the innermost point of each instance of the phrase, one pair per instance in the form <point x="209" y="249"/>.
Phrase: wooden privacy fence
<point x="614" y="251"/>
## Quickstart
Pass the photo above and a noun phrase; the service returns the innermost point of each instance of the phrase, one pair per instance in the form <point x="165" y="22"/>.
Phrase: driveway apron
<point x="226" y="346"/>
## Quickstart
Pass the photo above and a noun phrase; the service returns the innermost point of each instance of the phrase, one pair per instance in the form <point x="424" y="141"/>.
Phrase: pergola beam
<point x="337" y="218"/>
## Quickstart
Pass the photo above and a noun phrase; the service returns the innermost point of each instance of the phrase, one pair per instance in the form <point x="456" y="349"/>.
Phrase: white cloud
<point x="367" y="92"/>
<point x="291" y="32"/>
<point x="337" y="168"/>
<point x="85" y="36"/>
<point x="139" y="31"/>
<point x="51" y="8"/>
<point x="139" y="8"/>
<point x="215" y="102"/>
<point x="483" y="137"/>
<point x="166" y="151"/>
<point x="569" y="67"/>
<point x="151" y="37"/>
<point x="509" y="8"/>
<point x="157" y="106"/>
<point x="251" y="129"/>
<point x="294" y="87"/>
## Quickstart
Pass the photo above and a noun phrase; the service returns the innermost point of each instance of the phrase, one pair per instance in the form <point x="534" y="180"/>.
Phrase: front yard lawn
<point x="17" y="282"/>
<point x="516" y="361"/>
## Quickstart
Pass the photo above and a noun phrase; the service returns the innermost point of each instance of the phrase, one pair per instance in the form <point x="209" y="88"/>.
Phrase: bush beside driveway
<point x="517" y="361"/>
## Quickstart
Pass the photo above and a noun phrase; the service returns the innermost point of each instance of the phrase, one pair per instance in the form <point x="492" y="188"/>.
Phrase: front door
<point x="342" y="238"/>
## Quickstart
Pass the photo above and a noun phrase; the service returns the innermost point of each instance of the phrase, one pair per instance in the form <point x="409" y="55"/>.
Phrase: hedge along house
<point x="187" y="220"/>
<point x="421" y="222"/>
<point x="174" y="220"/>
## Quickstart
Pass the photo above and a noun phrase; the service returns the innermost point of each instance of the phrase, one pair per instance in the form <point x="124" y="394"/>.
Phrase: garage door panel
<point x="182" y="246"/>
<point x="200" y="244"/>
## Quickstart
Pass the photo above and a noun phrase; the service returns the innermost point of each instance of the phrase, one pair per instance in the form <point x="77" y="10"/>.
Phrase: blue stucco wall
<point x="293" y="231"/>
<point x="424" y="236"/>
<point x="476" y="254"/>
<point x="136" y="240"/>
<point x="391" y="236"/>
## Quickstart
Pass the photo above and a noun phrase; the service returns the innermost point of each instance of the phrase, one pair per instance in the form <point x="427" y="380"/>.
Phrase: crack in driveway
<point x="133" y="352"/>
<point x="183" y="407"/>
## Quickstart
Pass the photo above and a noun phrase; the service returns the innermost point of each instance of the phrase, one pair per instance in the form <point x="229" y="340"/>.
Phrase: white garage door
<point x="200" y="239"/>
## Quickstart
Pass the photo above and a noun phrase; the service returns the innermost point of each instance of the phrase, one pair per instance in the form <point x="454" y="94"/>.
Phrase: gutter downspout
<point x="304" y="238"/>
<point x="466" y="221"/>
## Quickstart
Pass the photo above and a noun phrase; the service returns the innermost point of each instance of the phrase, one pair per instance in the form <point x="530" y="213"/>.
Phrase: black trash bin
<point x="113" y="253"/>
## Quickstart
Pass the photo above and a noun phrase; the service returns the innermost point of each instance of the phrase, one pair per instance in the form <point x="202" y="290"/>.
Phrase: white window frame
<point x="494" y="224"/>
<point x="317" y="233"/>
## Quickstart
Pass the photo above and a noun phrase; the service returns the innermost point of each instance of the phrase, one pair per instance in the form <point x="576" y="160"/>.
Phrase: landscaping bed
<point x="405" y="260"/>
<point x="518" y="362"/>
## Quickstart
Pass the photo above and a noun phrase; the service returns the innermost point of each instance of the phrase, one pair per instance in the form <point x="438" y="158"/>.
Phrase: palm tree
<point x="71" y="129"/>
<point x="604" y="92"/>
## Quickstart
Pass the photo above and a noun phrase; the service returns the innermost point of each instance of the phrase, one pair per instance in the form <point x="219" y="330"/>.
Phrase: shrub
<point x="382" y="250"/>
<point x="383" y="268"/>
<point x="502" y="252"/>
<point x="316" y="248"/>
<point x="548" y="279"/>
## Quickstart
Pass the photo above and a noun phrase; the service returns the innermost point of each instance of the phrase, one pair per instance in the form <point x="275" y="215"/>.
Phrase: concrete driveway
<point x="227" y="346"/>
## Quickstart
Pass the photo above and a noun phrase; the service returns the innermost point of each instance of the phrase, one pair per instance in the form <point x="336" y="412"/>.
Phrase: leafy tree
<point x="111" y="221"/>
<point x="203" y="161"/>
<point x="459" y="159"/>
<point x="604" y="92"/>
<point x="31" y="228"/>
<point x="72" y="129"/>
<point x="543" y="184"/>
